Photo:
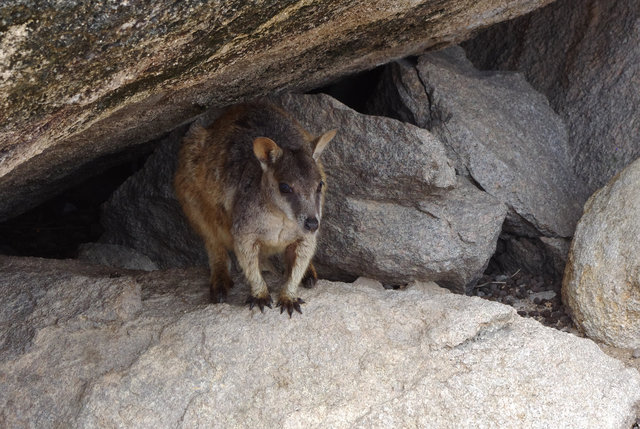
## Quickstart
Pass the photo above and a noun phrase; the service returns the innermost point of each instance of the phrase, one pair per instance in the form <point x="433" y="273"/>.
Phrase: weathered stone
<point x="115" y="256"/>
<point x="359" y="356"/>
<point x="394" y="208"/>
<point x="81" y="80"/>
<point x="448" y="239"/>
<point x="395" y="211"/>
<point x="498" y="131"/>
<point x="585" y="56"/>
<point x="143" y="213"/>
<point x="601" y="286"/>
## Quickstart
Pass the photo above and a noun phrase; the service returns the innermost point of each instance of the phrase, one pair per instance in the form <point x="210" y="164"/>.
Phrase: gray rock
<point x="498" y="131"/>
<point x="394" y="209"/>
<point x="83" y="80"/>
<point x="585" y="56"/>
<point x="359" y="356"/>
<point x="601" y="286"/>
<point x="115" y="256"/>
<point x="374" y="157"/>
<point x="447" y="239"/>
<point x="144" y="214"/>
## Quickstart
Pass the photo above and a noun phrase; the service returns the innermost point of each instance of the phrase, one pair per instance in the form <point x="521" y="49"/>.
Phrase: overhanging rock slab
<point x="80" y="81"/>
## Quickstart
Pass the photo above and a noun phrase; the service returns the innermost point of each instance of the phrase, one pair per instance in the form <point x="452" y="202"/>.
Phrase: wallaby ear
<point x="321" y="142"/>
<point x="267" y="151"/>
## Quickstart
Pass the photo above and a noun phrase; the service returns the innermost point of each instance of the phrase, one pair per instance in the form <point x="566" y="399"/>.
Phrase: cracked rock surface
<point x="594" y="88"/>
<point x="497" y="130"/>
<point x="88" y="346"/>
<point x="505" y="138"/>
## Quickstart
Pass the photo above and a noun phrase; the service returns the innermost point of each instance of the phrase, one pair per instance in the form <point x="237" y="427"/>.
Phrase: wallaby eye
<point x="285" y="189"/>
<point x="320" y="185"/>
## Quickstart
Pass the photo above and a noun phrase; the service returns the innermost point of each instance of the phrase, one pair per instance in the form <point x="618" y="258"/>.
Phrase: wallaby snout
<point x="311" y="224"/>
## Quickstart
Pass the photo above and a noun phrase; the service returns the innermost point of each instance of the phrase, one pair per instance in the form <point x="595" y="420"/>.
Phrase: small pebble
<point x="636" y="354"/>
<point x="501" y="278"/>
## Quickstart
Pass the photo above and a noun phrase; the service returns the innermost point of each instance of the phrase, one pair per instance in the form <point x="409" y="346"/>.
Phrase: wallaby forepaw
<point x="260" y="302"/>
<point x="288" y="304"/>
<point x="217" y="296"/>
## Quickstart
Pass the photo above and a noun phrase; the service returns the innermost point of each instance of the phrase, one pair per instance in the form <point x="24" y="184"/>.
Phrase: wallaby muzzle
<point x="311" y="224"/>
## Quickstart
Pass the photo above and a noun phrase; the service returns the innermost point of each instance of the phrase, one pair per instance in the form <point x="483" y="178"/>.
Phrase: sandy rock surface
<point x="85" y="346"/>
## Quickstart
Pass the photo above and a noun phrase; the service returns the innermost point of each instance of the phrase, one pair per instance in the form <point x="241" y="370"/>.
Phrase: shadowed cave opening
<point x="56" y="228"/>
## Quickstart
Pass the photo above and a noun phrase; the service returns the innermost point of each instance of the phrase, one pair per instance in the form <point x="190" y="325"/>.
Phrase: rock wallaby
<point x="252" y="183"/>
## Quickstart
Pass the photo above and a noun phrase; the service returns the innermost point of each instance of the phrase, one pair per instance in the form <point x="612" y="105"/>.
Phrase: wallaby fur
<point x="252" y="183"/>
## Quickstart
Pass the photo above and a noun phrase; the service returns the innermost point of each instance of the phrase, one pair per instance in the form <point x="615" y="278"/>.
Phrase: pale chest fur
<point x="278" y="232"/>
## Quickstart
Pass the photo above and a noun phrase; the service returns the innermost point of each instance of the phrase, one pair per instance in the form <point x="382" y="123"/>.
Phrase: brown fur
<point x="229" y="183"/>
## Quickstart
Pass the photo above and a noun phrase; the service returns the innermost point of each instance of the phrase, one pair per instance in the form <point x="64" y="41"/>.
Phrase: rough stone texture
<point x="602" y="279"/>
<point x="115" y="256"/>
<point x="585" y="56"/>
<point x="394" y="210"/>
<point x="144" y="214"/>
<point x="498" y="130"/>
<point x="144" y="350"/>
<point x="81" y="80"/>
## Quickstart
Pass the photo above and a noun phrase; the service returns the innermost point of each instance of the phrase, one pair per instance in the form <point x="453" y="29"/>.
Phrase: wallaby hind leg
<point x="310" y="278"/>
<point x="221" y="281"/>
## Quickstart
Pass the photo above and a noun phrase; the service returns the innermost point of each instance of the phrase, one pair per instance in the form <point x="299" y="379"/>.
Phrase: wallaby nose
<point x="311" y="223"/>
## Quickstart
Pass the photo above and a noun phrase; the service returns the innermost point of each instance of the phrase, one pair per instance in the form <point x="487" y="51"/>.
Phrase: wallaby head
<point x="293" y="180"/>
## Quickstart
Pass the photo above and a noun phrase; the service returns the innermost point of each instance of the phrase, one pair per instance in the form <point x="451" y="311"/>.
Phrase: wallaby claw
<point x="290" y="305"/>
<point x="260" y="302"/>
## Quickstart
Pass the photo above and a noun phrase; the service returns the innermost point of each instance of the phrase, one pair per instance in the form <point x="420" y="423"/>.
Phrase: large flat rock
<point x="82" y="80"/>
<point x="86" y="346"/>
